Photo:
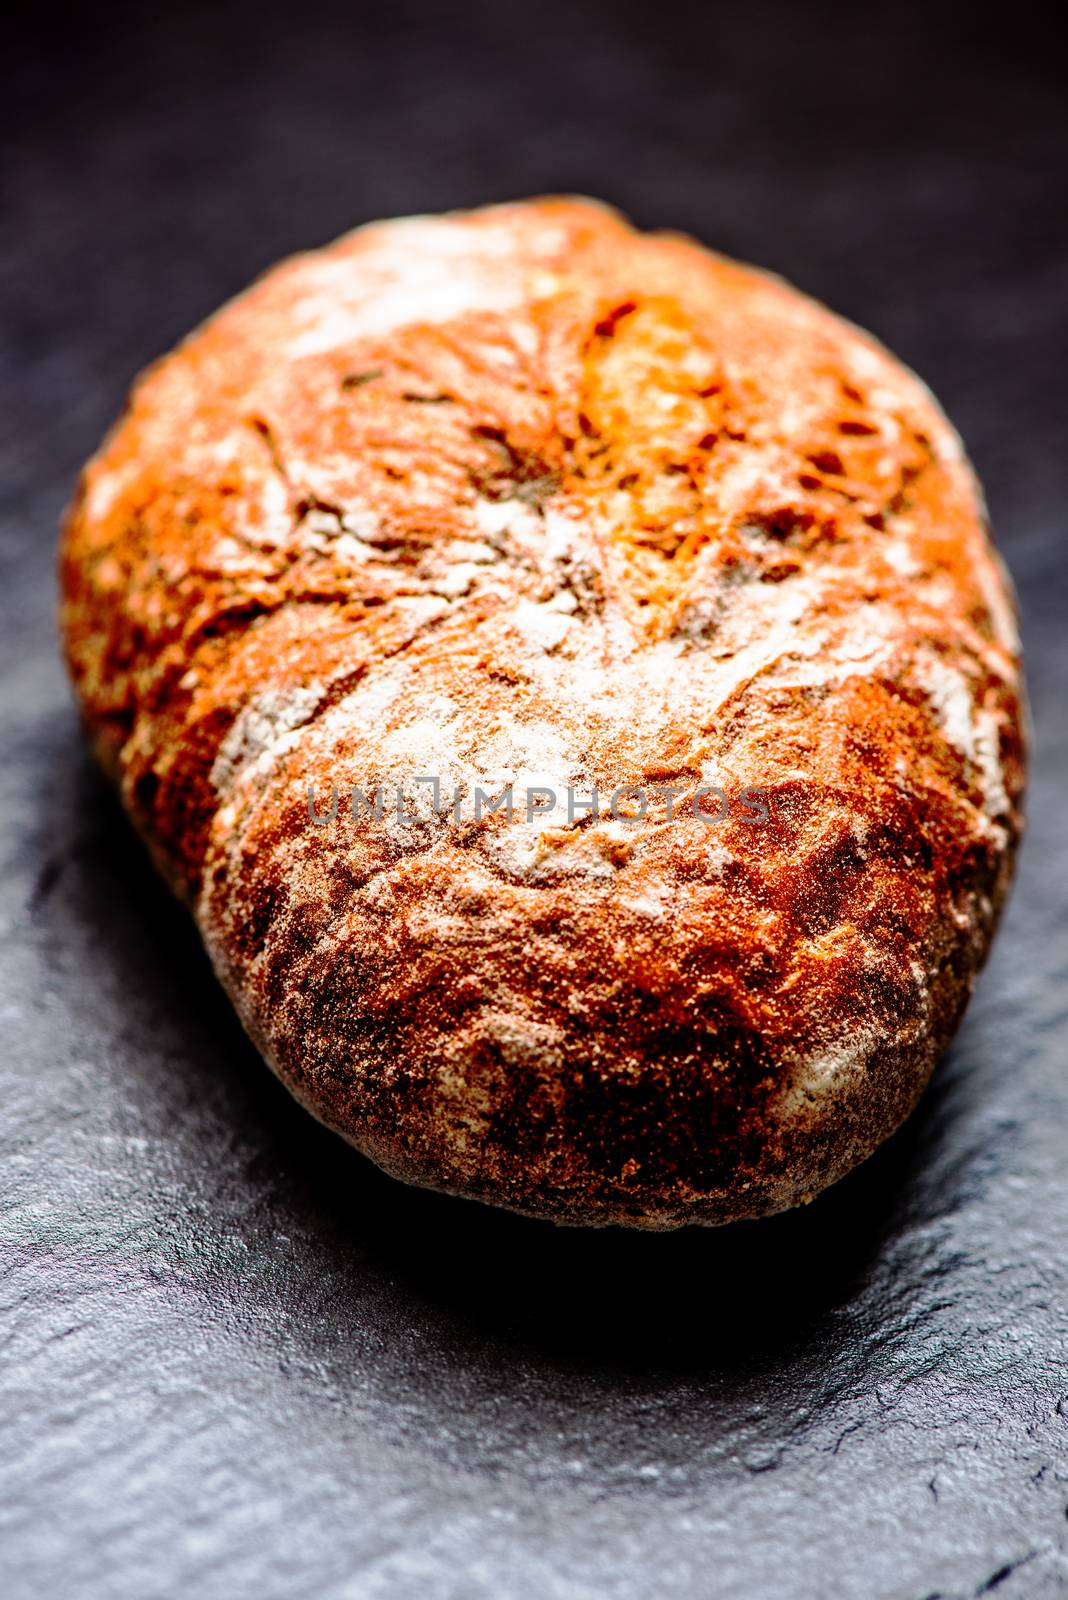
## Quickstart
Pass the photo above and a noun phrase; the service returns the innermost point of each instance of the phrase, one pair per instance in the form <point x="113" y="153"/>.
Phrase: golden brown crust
<point x="523" y="496"/>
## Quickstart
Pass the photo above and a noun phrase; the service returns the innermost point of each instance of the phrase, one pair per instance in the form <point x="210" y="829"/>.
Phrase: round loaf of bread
<point x="568" y="676"/>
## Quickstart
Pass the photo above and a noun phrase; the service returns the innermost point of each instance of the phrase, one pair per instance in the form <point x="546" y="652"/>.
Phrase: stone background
<point x="236" y="1360"/>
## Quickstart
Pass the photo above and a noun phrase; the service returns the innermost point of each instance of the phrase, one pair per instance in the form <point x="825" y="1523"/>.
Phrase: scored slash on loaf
<point x="525" y="497"/>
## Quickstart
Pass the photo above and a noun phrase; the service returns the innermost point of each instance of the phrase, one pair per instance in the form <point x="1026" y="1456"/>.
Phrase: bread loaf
<point x="531" y="504"/>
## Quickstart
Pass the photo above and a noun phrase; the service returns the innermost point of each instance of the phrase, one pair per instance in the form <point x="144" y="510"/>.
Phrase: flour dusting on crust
<point x="524" y="499"/>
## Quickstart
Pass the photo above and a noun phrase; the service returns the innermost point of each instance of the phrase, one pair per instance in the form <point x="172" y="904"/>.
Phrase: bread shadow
<point x="735" y="1301"/>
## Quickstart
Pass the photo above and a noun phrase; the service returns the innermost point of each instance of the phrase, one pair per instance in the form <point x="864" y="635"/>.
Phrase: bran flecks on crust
<point x="523" y="497"/>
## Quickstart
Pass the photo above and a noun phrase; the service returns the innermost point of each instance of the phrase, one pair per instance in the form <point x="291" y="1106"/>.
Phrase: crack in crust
<point x="524" y="496"/>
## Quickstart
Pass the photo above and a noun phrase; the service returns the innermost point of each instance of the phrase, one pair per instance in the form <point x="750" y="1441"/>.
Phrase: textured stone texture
<point x="237" y="1360"/>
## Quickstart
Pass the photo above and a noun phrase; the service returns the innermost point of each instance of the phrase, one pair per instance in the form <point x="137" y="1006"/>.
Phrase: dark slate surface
<point x="236" y="1359"/>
